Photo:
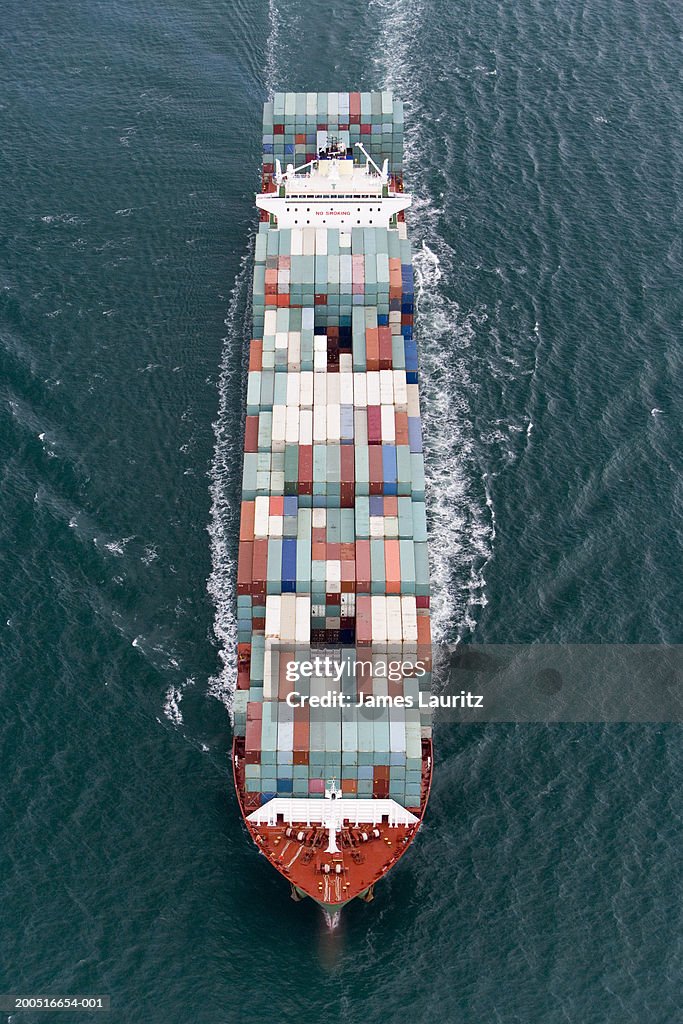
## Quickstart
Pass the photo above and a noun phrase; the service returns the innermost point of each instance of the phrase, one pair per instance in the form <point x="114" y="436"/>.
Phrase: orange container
<point x="372" y="348"/>
<point x="392" y="563"/>
<point x="256" y="354"/>
<point x="247" y="520"/>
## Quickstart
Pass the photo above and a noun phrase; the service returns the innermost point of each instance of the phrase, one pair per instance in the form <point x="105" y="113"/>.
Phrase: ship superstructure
<point x="332" y="748"/>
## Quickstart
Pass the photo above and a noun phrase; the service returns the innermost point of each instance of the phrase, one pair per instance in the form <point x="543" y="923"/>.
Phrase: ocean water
<point x="546" y="161"/>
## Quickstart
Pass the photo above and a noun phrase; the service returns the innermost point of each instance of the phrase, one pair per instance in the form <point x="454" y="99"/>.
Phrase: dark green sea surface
<point x="546" y="155"/>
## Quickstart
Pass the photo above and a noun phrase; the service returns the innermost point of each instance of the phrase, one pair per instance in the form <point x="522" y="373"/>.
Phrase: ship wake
<point x="225" y="479"/>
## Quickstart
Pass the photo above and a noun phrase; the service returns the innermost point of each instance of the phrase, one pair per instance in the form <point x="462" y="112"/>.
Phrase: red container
<point x="424" y="630"/>
<point x="401" y="422"/>
<point x="363" y="574"/>
<point x="348" y="577"/>
<point x="300" y="140"/>
<point x="366" y="129"/>
<point x="333" y="552"/>
<point x="256" y="354"/>
<point x="347" y="495"/>
<point x="247" y="522"/>
<point x="386" y="355"/>
<point x="320" y="299"/>
<point x="276" y="505"/>
<point x="251" y="434"/>
<point x="306" y="469"/>
<point x="376" y="469"/>
<point x="259" y="567"/>
<point x="244" y="568"/>
<point x="390" y="505"/>
<point x="349" y="786"/>
<point x="363" y="616"/>
<point x="374" y="427"/>
<point x="422" y="602"/>
<point x="252" y="741"/>
<point x="347" y="465"/>
<point x="254" y="710"/>
<point x="301" y="729"/>
<point x="278" y="129"/>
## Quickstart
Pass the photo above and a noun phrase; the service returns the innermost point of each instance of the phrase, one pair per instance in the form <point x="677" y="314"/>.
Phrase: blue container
<point x="414" y="434"/>
<point x="291" y="506"/>
<point x="284" y="785"/>
<point x="376" y="505"/>
<point x="389" y="468"/>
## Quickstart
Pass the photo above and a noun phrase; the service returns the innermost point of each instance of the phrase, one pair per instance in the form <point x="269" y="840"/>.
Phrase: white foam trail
<point x="172" y="705"/>
<point x="460" y="511"/>
<point x="272" y="47"/>
<point x="227" y="460"/>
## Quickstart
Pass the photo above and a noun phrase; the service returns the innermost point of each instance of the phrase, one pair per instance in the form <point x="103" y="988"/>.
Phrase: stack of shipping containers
<point x="333" y="535"/>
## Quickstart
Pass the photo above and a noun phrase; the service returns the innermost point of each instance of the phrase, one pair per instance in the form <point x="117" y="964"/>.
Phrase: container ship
<point x="332" y="751"/>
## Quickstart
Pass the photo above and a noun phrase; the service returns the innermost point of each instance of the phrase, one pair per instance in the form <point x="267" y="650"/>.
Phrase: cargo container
<point x="333" y="538"/>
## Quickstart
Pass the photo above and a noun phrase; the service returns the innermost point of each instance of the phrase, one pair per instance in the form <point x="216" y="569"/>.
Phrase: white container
<point x="360" y="390"/>
<point x="333" y="388"/>
<point x="400" y="390"/>
<point x="333" y="424"/>
<point x="275" y="525"/>
<point x="320" y="389"/>
<point x="281" y="340"/>
<point x="386" y="387"/>
<point x="288" y="617"/>
<point x="306" y="426"/>
<point x="394" y="620"/>
<point x="261" y="516"/>
<point x="296" y="246"/>
<point x="306" y="389"/>
<point x="303" y="619"/>
<point x="270" y="322"/>
<point x="319" y="518"/>
<point x="360" y="427"/>
<point x="320" y="362"/>
<point x="293" y="388"/>
<point x="377" y="527"/>
<point x="333" y="576"/>
<point x="413" y="400"/>
<point x="278" y="429"/>
<point x="292" y="425"/>
<point x="373" y="387"/>
<point x="294" y="351"/>
<point x="321" y="241"/>
<point x="345" y="387"/>
<point x="388" y="424"/>
<point x="345" y="362"/>
<point x="273" y="617"/>
<point x="409" y="619"/>
<point x="379" y="619"/>
<point x="319" y="424"/>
